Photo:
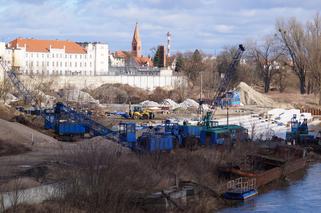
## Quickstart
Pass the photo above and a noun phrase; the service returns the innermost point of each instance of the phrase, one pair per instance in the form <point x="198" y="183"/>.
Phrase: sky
<point x="209" y="25"/>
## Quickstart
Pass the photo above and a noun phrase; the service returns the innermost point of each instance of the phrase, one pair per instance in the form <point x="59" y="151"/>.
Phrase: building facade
<point x="56" y="57"/>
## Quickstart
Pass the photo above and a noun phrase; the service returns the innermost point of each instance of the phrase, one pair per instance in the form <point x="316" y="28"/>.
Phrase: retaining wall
<point x="141" y="81"/>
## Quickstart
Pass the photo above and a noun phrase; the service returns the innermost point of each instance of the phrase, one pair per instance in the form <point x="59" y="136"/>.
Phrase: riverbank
<point x="299" y="193"/>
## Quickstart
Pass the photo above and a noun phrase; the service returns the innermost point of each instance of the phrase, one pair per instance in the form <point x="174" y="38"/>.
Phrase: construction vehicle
<point x="63" y="119"/>
<point x="138" y="112"/>
<point x="299" y="132"/>
<point x="221" y="92"/>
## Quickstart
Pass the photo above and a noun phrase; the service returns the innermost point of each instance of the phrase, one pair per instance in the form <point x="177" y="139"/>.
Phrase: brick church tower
<point x="136" y="43"/>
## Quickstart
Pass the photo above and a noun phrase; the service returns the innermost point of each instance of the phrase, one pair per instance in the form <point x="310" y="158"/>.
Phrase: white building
<point x="56" y="57"/>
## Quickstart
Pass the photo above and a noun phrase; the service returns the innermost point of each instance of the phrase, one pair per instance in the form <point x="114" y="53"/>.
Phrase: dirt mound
<point x="119" y="93"/>
<point x="16" y="134"/>
<point x="249" y="96"/>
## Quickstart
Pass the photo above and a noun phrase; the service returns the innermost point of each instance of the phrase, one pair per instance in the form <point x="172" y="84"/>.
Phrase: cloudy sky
<point x="205" y="24"/>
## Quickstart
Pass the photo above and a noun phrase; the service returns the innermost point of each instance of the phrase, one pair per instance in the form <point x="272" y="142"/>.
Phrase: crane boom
<point x="226" y="81"/>
<point x="28" y="97"/>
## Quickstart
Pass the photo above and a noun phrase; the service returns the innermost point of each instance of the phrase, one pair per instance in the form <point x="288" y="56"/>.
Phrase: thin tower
<point x="168" y="44"/>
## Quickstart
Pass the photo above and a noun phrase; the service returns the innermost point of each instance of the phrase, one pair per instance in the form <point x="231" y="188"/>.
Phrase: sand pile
<point x="17" y="134"/>
<point x="189" y="103"/>
<point x="79" y="96"/>
<point x="251" y="97"/>
<point x="149" y="103"/>
<point x="170" y="103"/>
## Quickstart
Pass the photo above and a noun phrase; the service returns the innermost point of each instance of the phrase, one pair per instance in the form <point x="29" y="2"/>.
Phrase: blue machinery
<point x="225" y="84"/>
<point x="63" y="119"/>
<point x="68" y="122"/>
<point x="172" y="135"/>
<point x="299" y="131"/>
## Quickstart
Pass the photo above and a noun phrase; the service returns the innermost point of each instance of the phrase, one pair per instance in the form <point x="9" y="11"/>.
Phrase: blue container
<point x="156" y="142"/>
<point x="190" y="130"/>
<point x="212" y="136"/>
<point x="50" y="120"/>
<point x="127" y="134"/>
<point x="66" y="128"/>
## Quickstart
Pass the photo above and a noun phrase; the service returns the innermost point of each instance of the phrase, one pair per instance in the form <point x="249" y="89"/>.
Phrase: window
<point x="70" y="64"/>
<point x="53" y="64"/>
<point x="31" y="55"/>
<point x="66" y="64"/>
<point x="80" y="64"/>
<point x="80" y="56"/>
<point x="65" y="55"/>
<point x="90" y="64"/>
<point x="43" y="63"/>
<point x="48" y="63"/>
<point x="26" y="54"/>
<point x="43" y="55"/>
<point x="75" y="56"/>
<point x="37" y="63"/>
<point x="75" y="64"/>
<point x="26" y="63"/>
<point x="70" y="56"/>
<point x="85" y="56"/>
<point x="61" y="64"/>
<point x="53" y="55"/>
<point x="60" y="55"/>
<point x="85" y="64"/>
<point x="57" y="63"/>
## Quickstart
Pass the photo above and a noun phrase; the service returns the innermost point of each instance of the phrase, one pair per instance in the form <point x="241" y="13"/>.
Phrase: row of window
<point x="58" y="72"/>
<point x="57" y="64"/>
<point x="58" y="55"/>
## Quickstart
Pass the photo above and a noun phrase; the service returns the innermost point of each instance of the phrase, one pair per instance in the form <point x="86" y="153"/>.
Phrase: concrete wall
<point x="144" y="81"/>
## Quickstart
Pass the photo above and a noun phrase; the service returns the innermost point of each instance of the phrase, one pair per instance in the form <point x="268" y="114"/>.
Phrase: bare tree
<point x="314" y="52"/>
<point x="294" y="39"/>
<point x="266" y="56"/>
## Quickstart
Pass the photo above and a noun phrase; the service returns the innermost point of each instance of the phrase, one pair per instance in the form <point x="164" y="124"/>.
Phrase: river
<point x="301" y="195"/>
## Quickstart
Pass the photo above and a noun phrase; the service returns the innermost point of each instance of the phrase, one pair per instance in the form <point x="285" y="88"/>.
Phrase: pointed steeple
<point x="136" y="43"/>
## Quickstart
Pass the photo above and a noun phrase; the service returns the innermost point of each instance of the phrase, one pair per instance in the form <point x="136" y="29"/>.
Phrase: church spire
<point x="136" y="43"/>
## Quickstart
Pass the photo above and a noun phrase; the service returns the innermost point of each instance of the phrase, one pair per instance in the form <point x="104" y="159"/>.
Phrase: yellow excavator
<point x="137" y="112"/>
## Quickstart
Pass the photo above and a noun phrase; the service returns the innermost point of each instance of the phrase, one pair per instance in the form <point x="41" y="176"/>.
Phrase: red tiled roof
<point x="121" y="54"/>
<point x="144" y="61"/>
<point x="34" y="45"/>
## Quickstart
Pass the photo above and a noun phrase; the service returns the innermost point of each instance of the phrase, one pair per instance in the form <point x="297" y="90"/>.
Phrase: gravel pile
<point x="170" y="103"/>
<point x="189" y="103"/>
<point x="249" y="96"/>
<point x="149" y="103"/>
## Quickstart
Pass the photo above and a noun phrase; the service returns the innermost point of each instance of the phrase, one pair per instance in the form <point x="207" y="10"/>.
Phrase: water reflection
<point x="302" y="194"/>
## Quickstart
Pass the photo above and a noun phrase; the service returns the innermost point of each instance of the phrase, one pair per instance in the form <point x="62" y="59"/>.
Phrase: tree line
<point x="293" y="48"/>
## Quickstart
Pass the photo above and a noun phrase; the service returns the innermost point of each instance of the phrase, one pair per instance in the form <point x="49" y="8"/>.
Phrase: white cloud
<point x="222" y="28"/>
<point x="203" y="24"/>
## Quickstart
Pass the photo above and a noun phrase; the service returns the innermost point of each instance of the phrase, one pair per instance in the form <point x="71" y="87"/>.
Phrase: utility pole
<point x="201" y="98"/>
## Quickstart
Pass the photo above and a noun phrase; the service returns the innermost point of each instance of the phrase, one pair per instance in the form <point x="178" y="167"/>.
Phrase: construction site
<point x="72" y="150"/>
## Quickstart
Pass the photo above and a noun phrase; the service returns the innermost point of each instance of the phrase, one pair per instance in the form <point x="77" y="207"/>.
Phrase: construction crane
<point x="12" y="75"/>
<point x="225" y="83"/>
<point x="60" y="109"/>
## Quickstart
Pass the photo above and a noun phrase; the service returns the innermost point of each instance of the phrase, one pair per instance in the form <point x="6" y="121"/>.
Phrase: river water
<point x="301" y="195"/>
